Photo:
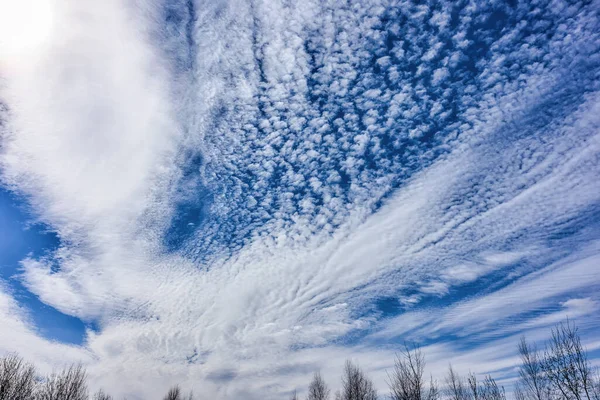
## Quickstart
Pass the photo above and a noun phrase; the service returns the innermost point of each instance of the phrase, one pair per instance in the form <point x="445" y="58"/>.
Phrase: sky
<point x="233" y="194"/>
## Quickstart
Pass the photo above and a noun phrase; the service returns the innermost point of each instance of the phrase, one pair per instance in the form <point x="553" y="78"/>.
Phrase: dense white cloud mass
<point x="248" y="191"/>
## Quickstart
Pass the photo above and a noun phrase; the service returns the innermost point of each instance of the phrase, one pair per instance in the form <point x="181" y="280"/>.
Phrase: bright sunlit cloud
<point x="25" y="25"/>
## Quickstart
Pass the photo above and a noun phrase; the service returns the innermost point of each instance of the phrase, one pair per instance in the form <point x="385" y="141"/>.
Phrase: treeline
<point x="561" y="371"/>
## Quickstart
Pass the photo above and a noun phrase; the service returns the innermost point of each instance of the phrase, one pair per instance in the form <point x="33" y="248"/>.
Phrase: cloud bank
<point x="246" y="191"/>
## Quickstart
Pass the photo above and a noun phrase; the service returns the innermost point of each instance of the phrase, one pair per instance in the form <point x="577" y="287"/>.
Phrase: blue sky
<point x="21" y="237"/>
<point x="234" y="194"/>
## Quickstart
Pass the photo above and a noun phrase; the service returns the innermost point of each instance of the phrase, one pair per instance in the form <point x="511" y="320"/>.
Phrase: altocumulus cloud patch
<point x="243" y="192"/>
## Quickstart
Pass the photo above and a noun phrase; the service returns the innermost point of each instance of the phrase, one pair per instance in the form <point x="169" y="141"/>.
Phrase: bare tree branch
<point x="355" y="385"/>
<point x="406" y="380"/>
<point x="101" y="395"/>
<point x="455" y="387"/>
<point x="519" y="393"/>
<point x="473" y="386"/>
<point x="70" y="384"/>
<point x="534" y="384"/>
<point x="566" y="365"/>
<point x="17" y="379"/>
<point x="318" y="389"/>
<point x="595" y="392"/>
<point x="434" y="392"/>
<point x="174" y="394"/>
<point x="491" y="391"/>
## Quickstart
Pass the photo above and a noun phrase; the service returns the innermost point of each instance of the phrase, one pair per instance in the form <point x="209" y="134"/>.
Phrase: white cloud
<point x="17" y="334"/>
<point x="115" y="120"/>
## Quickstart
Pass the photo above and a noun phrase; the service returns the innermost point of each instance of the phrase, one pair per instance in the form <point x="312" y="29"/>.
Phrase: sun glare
<point x="24" y="26"/>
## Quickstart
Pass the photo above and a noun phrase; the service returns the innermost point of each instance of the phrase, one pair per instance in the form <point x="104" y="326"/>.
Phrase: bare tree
<point x="294" y="395"/>
<point x="519" y="393"/>
<point x="491" y="391"/>
<point x="101" y="395"/>
<point x="455" y="387"/>
<point x="534" y="385"/>
<point x="17" y="379"/>
<point x="434" y="392"/>
<point x="406" y="380"/>
<point x="174" y="394"/>
<point x="356" y="385"/>
<point x="473" y="386"/>
<point x="70" y="384"/>
<point x="318" y="389"/>
<point x="596" y="385"/>
<point x="488" y="390"/>
<point x="566" y="364"/>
